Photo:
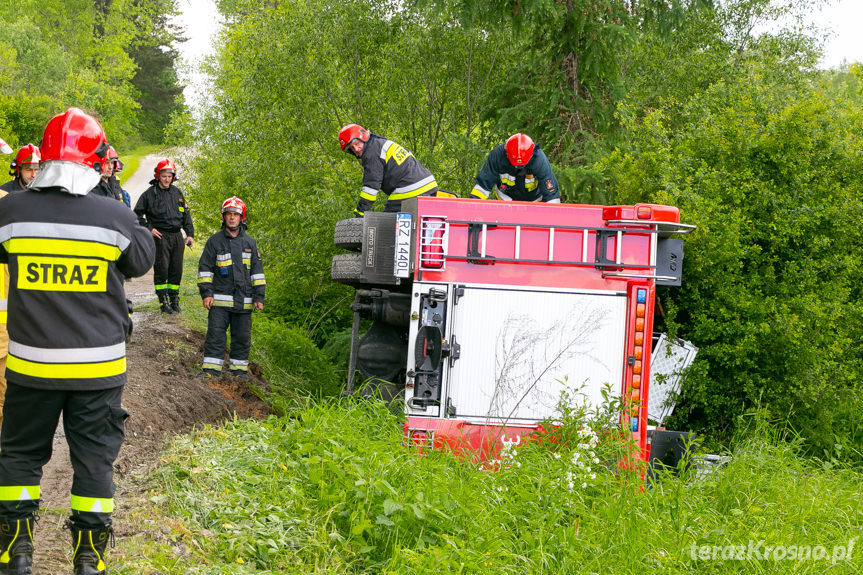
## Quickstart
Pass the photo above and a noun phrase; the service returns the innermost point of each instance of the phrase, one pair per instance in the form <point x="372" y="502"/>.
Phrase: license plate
<point x="402" y="256"/>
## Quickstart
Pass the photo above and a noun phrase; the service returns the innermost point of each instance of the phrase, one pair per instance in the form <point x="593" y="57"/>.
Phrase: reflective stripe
<point x="92" y="504"/>
<point x="173" y="286"/>
<point x="50" y="246"/>
<point x="238" y="361"/>
<point x="239" y="368"/>
<point x="3" y="316"/>
<point x="255" y="277"/>
<point x="385" y="148"/>
<point x="160" y="286"/>
<point x="19" y="492"/>
<point x="67" y="354"/>
<point x="260" y="282"/>
<point x="223" y="303"/>
<point x="4" y="303"/>
<point x="479" y="192"/>
<point x="507" y="179"/>
<point x="368" y="193"/>
<point x="423" y="185"/>
<point x="212" y="363"/>
<point x="66" y="370"/>
<point x="554" y="201"/>
<point x="223" y="257"/>
<point x="247" y="300"/>
<point x="225" y="263"/>
<point x="205" y="274"/>
<point x="207" y="280"/>
<point x="64" y="232"/>
<point x="502" y="195"/>
<point x="223" y="297"/>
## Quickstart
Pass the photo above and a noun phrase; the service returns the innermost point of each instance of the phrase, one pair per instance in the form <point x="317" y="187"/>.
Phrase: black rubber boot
<point x="175" y="302"/>
<point x="16" y="547"/>
<point x="164" y="306"/>
<point x="89" y="548"/>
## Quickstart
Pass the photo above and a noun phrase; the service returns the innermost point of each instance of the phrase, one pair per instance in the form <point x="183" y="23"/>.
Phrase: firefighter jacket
<point x="534" y="182"/>
<point x="393" y="170"/>
<point x="165" y="210"/>
<point x="4" y="304"/>
<point x="231" y="271"/>
<point x="68" y="256"/>
<point x="13" y="186"/>
<point x="104" y="189"/>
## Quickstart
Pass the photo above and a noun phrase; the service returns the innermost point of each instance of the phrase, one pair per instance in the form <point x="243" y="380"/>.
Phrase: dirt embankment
<point x="165" y="398"/>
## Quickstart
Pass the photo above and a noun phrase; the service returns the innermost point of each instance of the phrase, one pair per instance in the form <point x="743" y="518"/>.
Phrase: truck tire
<point x="347" y="268"/>
<point x="349" y="234"/>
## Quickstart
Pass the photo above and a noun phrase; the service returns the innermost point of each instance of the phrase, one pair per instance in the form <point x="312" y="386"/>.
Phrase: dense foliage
<point x="89" y="54"/>
<point x="690" y="103"/>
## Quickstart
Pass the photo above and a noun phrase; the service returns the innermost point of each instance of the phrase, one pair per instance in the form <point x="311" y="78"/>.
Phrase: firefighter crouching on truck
<point x="163" y="209"/>
<point x="517" y="170"/>
<point x="386" y="167"/>
<point x="68" y="253"/>
<point x="23" y="169"/>
<point x="231" y="282"/>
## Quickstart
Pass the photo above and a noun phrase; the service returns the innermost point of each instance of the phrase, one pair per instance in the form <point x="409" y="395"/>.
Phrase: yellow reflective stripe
<point x="239" y="368"/>
<point x="222" y="303"/>
<point x="3" y="316"/>
<point x="247" y="306"/>
<point x="206" y="280"/>
<point x="224" y="263"/>
<point x="66" y="370"/>
<point x="19" y="492"/>
<point x="259" y="282"/>
<point x="414" y="193"/>
<point x="92" y="504"/>
<point x="443" y="194"/>
<point x="58" y="247"/>
<point x="367" y="196"/>
<point x="216" y="366"/>
<point x="479" y="193"/>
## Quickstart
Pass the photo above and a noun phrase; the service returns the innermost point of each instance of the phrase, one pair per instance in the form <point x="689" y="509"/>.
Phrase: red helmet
<point x="73" y="148"/>
<point x="236" y="205"/>
<point x="350" y="133"/>
<point x="74" y="136"/>
<point x="29" y="154"/>
<point x="166" y="164"/>
<point x="519" y="149"/>
<point x="114" y="158"/>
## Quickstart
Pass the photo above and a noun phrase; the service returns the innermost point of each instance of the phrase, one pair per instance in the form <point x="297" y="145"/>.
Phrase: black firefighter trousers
<point x="93" y="422"/>
<point x="218" y="321"/>
<point x="168" y="267"/>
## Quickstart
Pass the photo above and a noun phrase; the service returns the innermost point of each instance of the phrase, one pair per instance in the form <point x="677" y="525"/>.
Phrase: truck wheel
<point x="347" y="268"/>
<point x="349" y="234"/>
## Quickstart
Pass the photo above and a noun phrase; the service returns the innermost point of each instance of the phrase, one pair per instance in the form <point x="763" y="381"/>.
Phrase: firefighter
<point x="231" y="282"/>
<point x="68" y="253"/>
<point x="23" y="169"/>
<point x="105" y="188"/>
<point x="4" y="335"/>
<point x="114" y="180"/>
<point x="163" y="209"/>
<point x="517" y="170"/>
<point x="386" y="167"/>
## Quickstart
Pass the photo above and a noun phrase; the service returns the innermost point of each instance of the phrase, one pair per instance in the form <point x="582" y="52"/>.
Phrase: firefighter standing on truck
<point x="231" y="282"/>
<point x="163" y="209"/>
<point x="68" y="253"/>
<point x="386" y="167"/>
<point x="23" y="169"/>
<point x="517" y="170"/>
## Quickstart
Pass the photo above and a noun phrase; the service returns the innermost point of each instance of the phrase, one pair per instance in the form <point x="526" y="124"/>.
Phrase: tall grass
<point x="330" y="488"/>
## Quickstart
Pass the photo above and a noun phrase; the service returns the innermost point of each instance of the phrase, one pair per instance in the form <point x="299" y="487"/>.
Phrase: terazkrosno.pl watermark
<point x="760" y="551"/>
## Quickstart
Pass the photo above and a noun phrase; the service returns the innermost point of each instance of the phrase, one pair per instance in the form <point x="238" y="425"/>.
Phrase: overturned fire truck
<point x="486" y="313"/>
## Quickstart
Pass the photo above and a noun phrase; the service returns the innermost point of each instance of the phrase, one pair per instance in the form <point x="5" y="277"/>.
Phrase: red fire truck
<point x="486" y="313"/>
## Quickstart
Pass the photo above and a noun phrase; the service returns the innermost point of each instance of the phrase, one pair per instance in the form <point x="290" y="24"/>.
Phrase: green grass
<point x="331" y="489"/>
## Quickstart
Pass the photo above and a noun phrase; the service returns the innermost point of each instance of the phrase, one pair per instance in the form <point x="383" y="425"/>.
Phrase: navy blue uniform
<point x="534" y="182"/>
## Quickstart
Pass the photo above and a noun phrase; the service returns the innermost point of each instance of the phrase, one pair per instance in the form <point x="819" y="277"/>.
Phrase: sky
<point x="201" y="22"/>
<point x="844" y="18"/>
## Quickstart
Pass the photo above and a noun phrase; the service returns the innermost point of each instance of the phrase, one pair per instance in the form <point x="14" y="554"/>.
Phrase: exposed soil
<point x="164" y="397"/>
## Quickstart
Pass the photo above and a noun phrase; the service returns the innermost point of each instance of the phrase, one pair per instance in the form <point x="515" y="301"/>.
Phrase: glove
<point x="130" y="324"/>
